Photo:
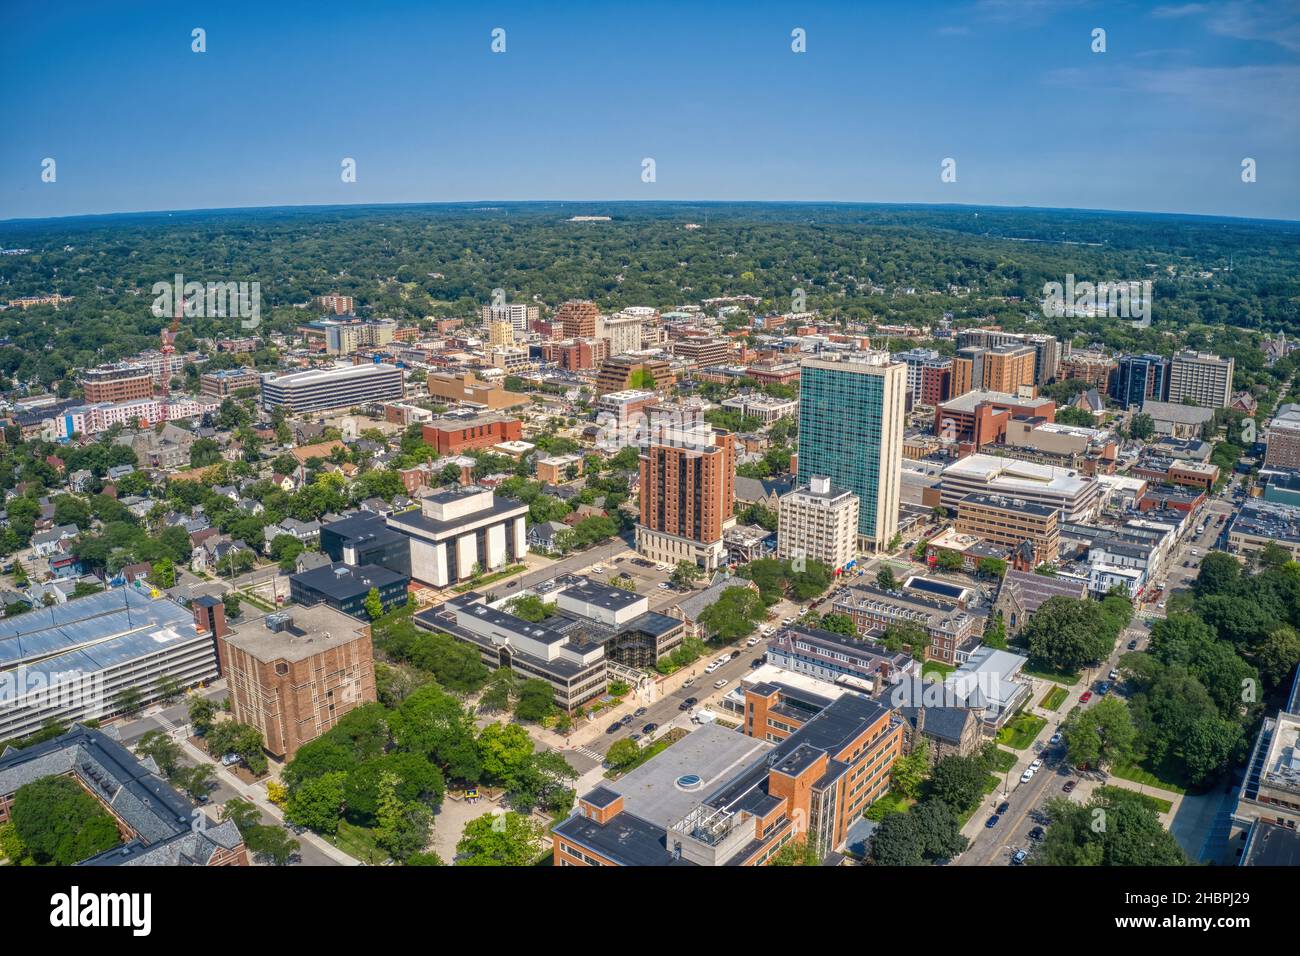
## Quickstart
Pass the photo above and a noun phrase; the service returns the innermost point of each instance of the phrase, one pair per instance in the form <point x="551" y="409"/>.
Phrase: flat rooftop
<point x="314" y="629"/>
<point x="655" y="791"/>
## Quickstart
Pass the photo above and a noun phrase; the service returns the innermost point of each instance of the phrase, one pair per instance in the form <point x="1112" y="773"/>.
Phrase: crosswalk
<point x="590" y="754"/>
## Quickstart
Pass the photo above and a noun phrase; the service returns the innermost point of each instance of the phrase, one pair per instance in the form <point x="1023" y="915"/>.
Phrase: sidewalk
<point x="256" y="794"/>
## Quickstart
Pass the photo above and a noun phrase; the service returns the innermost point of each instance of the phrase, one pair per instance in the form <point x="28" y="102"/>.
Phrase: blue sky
<point x="712" y="92"/>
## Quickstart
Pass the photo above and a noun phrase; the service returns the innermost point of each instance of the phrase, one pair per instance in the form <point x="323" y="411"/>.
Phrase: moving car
<point x="688" y="682"/>
<point x="598" y="569"/>
<point x="719" y="684"/>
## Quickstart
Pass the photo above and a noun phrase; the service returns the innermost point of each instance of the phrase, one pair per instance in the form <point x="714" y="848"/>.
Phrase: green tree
<point x="622" y="753"/>
<point x="959" y="782"/>
<point x="509" y="839"/>
<point x="686" y="574"/>
<point x="59" y="823"/>
<point x="374" y="604"/>
<point x="536" y="700"/>
<point x="886" y="579"/>
<point x="1101" y="735"/>
<point x="318" y="803"/>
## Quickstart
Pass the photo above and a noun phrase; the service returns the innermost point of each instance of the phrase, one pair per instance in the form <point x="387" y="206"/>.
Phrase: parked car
<point x="1103" y="688"/>
<point x="229" y="760"/>
<point x="688" y="682"/>
<point x="1055" y="738"/>
<point x="1019" y="857"/>
<point x="1069" y="786"/>
<point x="598" y="569"/>
<point x="1026" y="776"/>
<point x="1037" y="765"/>
<point x="1037" y="833"/>
<point x="634" y="738"/>
<point x="756" y="662"/>
<point x="690" y="701"/>
<point x="649" y="728"/>
<point x="1085" y="697"/>
<point x="719" y="684"/>
<point x="991" y="822"/>
<point x="1132" y="645"/>
<point x="639" y="712"/>
<point x="735" y="654"/>
<point x="1113" y="675"/>
<point x="751" y="642"/>
<point x="615" y="727"/>
<point x="1003" y="807"/>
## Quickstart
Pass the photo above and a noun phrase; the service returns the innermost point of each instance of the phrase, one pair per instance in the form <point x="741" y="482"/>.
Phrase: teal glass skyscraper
<point x="851" y="431"/>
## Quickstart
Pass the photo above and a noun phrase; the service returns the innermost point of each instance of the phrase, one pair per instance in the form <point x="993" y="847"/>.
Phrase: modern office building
<point x="365" y="538"/>
<point x="577" y="319"/>
<point x="1141" y="378"/>
<point x="851" y="431"/>
<point x="1075" y="495"/>
<point x="687" y="492"/>
<point x="624" y="331"/>
<point x="1011" y="522"/>
<point x="1269" y="796"/>
<point x="718" y="798"/>
<point x="74" y="661"/>
<point x="461" y="532"/>
<point x="589" y="628"/>
<point x="1283" y="438"/>
<point x="157" y="825"/>
<point x="468" y="389"/>
<point x="936" y="382"/>
<point x="981" y="417"/>
<point x="702" y="351"/>
<point x="117" y="383"/>
<point x="818" y="523"/>
<point x="225" y="382"/>
<point x="917" y="361"/>
<point x="346" y="588"/>
<point x="295" y="673"/>
<point x="339" y="387"/>
<point x="1200" y="378"/>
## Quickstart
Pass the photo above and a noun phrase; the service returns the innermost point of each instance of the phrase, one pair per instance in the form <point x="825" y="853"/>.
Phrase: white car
<point x="719" y="684"/>
<point x="1113" y="675"/>
<point x="598" y="569"/>
<point x="1026" y="776"/>
<point x="664" y="587"/>
<point x="1036" y="765"/>
<point x="751" y="642"/>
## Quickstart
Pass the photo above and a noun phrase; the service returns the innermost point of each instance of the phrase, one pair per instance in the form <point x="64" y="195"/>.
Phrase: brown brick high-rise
<point x="687" y="492"/>
<point x="578" y="319"/>
<point x="293" y="675"/>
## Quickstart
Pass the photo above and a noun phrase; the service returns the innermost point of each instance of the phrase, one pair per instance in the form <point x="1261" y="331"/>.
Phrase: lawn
<point x="891" y="802"/>
<point x="358" y="842"/>
<point x="1053" y="699"/>
<point x="1020" y="731"/>
<point x="937" y="669"/>
<point x="1161" y="778"/>
<point x="1059" y="677"/>
<point x="1003" y="760"/>
<point x="1155" y="803"/>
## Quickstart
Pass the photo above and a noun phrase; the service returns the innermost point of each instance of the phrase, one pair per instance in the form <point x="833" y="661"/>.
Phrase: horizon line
<point x="643" y="202"/>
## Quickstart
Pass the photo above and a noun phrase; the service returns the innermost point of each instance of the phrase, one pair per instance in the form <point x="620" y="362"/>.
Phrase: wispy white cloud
<point x="1265" y="21"/>
<point x="1181" y="10"/>
<point x="1232" y="92"/>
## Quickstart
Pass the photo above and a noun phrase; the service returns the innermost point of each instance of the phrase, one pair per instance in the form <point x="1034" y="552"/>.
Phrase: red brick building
<point x="451" y="436"/>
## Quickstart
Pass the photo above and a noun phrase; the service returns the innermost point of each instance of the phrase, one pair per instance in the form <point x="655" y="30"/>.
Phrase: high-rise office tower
<point x="851" y="431"/>
<point x="1139" y="378"/>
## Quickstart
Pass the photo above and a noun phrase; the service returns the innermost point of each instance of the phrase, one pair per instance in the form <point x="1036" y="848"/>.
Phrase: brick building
<point x="294" y="674"/>
<point x="455" y="434"/>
